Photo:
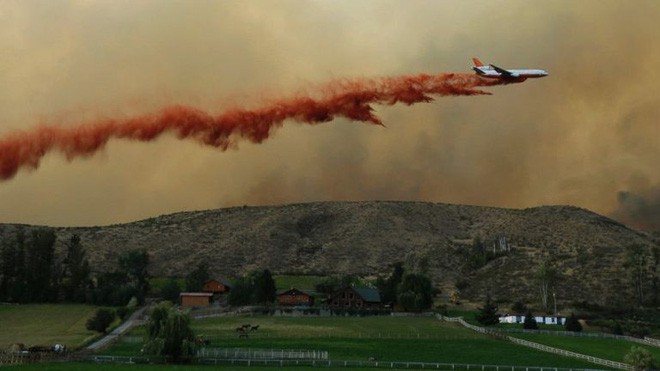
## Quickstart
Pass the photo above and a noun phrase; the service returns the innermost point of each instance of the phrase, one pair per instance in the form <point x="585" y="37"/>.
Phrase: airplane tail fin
<point x="477" y="62"/>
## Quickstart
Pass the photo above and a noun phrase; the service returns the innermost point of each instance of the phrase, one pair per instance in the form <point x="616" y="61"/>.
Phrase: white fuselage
<point x="488" y="71"/>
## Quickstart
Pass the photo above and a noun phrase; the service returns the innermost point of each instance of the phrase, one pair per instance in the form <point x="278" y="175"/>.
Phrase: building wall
<point x="348" y="298"/>
<point x="295" y="299"/>
<point x="214" y="286"/>
<point x="194" y="301"/>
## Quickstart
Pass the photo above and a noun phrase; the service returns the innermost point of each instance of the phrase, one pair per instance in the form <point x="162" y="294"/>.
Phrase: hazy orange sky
<point x="581" y="136"/>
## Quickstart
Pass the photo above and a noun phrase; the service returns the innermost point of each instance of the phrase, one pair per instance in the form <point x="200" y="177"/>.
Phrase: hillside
<point x="366" y="237"/>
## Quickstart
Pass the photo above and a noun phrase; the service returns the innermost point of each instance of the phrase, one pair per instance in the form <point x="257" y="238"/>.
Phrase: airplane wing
<point x="504" y="72"/>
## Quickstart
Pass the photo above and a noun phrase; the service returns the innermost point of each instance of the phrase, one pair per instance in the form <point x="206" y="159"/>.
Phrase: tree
<point x="263" y="287"/>
<point x="112" y="289"/>
<point x="241" y="292"/>
<point x="328" y="286"/>
<point x="169" y="334"/>
<point x="488" y="313"/>
<point x="636" y="262"/>
<point x="530" y="322"/>
<point x="388" y="287"/>
<point x="8" y="270"/>
<point x="134" y="265"/>
<point x="39" y="264"/>
<point x="170" y="290"/>
<point x="639" y="358"/>
<point x="519" y="307"/>
<point x="196" y="279"/>
<point x="76" y="271"/>
<point x="101" y="320"/>
<point x="255" y="288"/>
<point x="415" y="293"/>
<point x="573" y="324"/>
<point x="546" y="276"/>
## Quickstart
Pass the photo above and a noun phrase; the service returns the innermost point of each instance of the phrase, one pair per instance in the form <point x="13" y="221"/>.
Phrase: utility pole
<point x="554" y="298"/>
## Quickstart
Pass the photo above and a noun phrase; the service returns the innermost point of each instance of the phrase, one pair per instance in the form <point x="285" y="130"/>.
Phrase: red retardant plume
<point x="345" y="98"/>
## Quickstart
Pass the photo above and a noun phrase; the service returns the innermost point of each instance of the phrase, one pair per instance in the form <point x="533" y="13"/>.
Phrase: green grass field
<point x="305" y="283"/>
<point x="605" y="348"/>
<point x="358" y="338"/>
<point x="69" y="366"/>
<point x="45" y="324"/>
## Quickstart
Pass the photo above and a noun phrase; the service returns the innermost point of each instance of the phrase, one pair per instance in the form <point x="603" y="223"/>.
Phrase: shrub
<point x="572" y="324"/>
<point x="530" y="322"/>
<point x="101" y="320"/>
<point x="640" y="358"/>
<point x="122" y="312"/>
<point x="488" y="313"/>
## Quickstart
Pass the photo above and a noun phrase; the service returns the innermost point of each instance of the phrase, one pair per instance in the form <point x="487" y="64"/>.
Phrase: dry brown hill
<point x="365" y="238"/>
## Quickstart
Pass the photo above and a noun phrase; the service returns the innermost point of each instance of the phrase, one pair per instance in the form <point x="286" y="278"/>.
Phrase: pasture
<point x="606" y="348"/>
<point x="45" y="324"/>
<point x="420" y="339"/>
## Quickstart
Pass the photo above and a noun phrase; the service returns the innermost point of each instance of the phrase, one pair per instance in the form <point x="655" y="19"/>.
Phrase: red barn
<point x="216" y="287"/>
<point x="295" y="297"/>
<point x="195" y="299"/>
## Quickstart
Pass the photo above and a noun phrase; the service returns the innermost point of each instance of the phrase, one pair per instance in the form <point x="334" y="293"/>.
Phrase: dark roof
<point x="368" y="294"/>
<point x="283" y="292"/>
<point x="226" y="283"/>
<point x="208" y="294"/>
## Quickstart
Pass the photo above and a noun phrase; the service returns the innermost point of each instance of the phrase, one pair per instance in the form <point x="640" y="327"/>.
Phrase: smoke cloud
<point x="578" y="137"/>
<point x="641" y="211"/>
<point x="351" y="99"/>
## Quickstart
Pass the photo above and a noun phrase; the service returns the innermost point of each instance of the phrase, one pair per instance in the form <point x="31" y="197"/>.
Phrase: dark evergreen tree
<point x="415" y="293"/>
<point x="530" y="322"/>
<point x="263" y="287"/>
<point x="170" y="290"/>
<point x="76" y="272"/>
<point x="40" y="262"/>
<point x="8" y="273"/>
<point x="573" y="324"/>
<point x="101" y="320"/>
<point x="18" y="291"/>
<point x="328" y="286"/>
<point x="134" y="265"/>
<point x="196" y="279"/>
<point x="519" y="307"/>
<point x="488" y="313"/>
<point x="241" y="292"/>
<point x="112" y="289"/>
<point x="388" y="287"/>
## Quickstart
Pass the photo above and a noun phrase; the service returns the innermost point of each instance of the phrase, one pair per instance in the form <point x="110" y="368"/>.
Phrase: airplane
<point x="492" y="71"/>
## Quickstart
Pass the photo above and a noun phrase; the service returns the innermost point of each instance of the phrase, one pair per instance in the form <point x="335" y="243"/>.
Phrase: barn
<point x="295" y="297"/>
<point x="195" y="299"/>
<point x="216" y="286"/>
<point x="356" y="297"/>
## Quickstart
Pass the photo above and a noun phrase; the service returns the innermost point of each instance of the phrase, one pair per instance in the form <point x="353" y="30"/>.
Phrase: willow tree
<point x="169" y="334"/>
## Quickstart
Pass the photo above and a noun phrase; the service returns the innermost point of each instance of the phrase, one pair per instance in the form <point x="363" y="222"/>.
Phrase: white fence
<point x="378" y="364"/>
<point x="273" y="354"/>
<point x="645" y="341"/>
<point x="545" y="348"/>
<point x="331" y="363"/>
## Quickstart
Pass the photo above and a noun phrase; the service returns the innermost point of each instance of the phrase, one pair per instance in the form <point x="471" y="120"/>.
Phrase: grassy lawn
<point x="355" y="338"/>
<point x="605" y="348"/>
<point x="347" y="327"/>
<point x="69" y="366"/>
<point x="45" y="324"/>
<point x="305" y="283"/>
<point x="157" y="283"/>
